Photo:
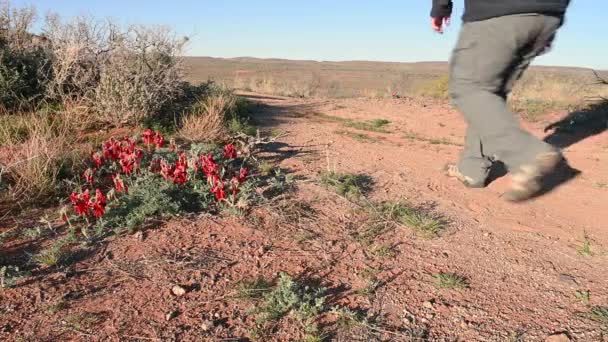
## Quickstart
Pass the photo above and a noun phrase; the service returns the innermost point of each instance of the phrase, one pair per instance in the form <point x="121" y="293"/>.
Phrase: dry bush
<point x="561" y="90"/>
<point x="122" y="75"/>
<point x="207" y="119"/>
<point x="437" y="88"/>
<point x="33" y="154"/>
<point x="303" y="87"/>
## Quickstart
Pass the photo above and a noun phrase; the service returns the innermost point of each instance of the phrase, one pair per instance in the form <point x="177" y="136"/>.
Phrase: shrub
<point x="289" y="296"/>
<point x="122" y="75"/>
<point x="437" y="88"/>
<point x="23" y="62"/>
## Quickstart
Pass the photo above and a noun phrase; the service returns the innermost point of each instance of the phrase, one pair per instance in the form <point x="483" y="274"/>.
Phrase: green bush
<point x="23" y="75"/>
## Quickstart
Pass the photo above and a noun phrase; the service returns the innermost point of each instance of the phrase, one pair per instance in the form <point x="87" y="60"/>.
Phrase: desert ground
<point x="367" y="239"/>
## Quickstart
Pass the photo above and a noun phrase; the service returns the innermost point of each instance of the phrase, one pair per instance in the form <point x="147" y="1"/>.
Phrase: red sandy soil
<point x="521" y="259"/>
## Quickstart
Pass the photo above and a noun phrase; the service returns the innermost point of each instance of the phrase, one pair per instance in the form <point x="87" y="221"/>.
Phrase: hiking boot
<point x="451" y="170"/>
<point x="527" y="182"/>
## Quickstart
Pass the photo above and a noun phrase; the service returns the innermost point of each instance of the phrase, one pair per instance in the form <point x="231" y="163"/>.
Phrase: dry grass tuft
<point x="207" y="120"/>
<point x="33" y="154"/>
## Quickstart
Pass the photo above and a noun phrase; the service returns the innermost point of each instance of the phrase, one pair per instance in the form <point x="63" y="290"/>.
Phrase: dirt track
<point x="521" y="260"/>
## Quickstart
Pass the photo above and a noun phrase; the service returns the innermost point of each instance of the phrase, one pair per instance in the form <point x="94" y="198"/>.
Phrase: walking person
<point x="497" y="43"/>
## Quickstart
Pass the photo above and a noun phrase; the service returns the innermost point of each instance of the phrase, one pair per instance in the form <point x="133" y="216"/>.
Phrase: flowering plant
<point x="123" y="167"/>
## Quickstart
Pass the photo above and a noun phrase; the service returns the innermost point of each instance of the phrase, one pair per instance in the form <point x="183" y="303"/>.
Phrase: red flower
<point x="112" y="149"/>
<point x="159" y="139"/>
<point x="88" y="175"/>
<point x="139" y="154"/>
<point x="230" y="152"/>
<point x="128" y="146"/>
<point x="179" y="176"/>
<point x="98" y="209"/>
<point x="129" y="161"/>
<point x="99" y="205"/>
<point x="80" y="202"/>
<point x="148" y="137"/>
<point x="218" y="189"/>
<point x="119" y="184"/>
<point x="243" y="175"/>
<point x="100" y="198"/>
<point x="183" y="159"/>
<point x="97" y="158"/>
<point x="210" y="167"/>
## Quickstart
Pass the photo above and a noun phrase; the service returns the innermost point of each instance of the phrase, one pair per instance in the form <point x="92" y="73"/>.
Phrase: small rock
<point x="428" y="305"/>
<point x="561" y="337"/>
<point x="207" y="325"/>
<point x="171" y="315"/>
<point x="139" y="235"/>
<point x="178" y="290"/>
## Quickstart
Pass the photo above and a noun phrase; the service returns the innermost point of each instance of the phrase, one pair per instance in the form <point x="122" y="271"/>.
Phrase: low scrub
<point x="131" y="183"/>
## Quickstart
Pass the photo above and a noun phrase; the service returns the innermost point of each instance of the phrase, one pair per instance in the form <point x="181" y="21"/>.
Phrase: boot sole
<point x="527" y="183"/>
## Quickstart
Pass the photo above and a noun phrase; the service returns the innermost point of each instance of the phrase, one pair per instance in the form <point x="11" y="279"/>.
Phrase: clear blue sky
<point x="385" y="30"/>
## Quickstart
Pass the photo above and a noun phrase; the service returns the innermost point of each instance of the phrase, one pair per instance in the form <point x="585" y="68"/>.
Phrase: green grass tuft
<point x="347" y="184"/>
<point x="357" y="136"/>
<point x="600" y="315"/>
<point x="255" y="289"/>
<point x="450" y="281"/>
<point x="424" y="223"/>
<point x="585" y="248"/>
<point x="583" y="296"/>
<point x="377" y="125"/>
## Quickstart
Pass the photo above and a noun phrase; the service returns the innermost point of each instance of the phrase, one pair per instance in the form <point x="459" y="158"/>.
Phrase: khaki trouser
<point x="489" y="57"/>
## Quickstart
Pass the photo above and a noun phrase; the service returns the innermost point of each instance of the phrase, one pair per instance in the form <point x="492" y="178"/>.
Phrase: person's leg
<point x="489" y="57"/>
<point x="473" y="168"/>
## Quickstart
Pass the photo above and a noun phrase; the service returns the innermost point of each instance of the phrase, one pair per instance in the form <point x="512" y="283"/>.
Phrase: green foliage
<point x="23" y="74"/>
<point x="255" y="289"/>
<point x="265" y="168"/>
<point x="583" y="296"/>
<point x="290" y="297"/>
<point x="600" y="315"/>
<point x="533" y="109"/>
<point x="348" y="184"/>
<point x="238" y="125"/>
<point x="56" y="255"/>
<point x="357" y="136"/>
<point x="151" y="197"/>
<point x="9" y="275"/>
<point x="585" y="248"/>
<point x="437" y="88"/>
<point x="384" y="252"/>
<point x="377" y="125"/>
<point x="424" y="223"/>
<point x="450" y="281"/>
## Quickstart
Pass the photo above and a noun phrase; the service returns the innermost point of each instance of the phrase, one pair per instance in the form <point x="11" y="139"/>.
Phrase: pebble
<point x="428" y="305"/>
<point x="171" y="315"/>
<point x="561" y="337"/>
<point x="178" y="290"/>
<point x="207" y="325"/>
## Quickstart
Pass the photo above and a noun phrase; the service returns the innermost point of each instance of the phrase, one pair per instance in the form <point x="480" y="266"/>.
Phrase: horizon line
<point x="381" y="61"/>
